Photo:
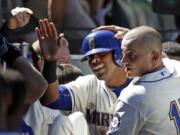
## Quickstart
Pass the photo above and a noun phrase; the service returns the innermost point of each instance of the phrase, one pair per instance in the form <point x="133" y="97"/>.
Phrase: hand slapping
<point x="48" y="40"/>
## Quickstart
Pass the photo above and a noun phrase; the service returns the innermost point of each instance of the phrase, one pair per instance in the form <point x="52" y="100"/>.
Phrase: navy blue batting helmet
<point x="102" y="41"/>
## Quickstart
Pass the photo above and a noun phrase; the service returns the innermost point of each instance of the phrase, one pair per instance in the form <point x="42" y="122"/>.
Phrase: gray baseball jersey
<point x="92" y="97"/>
<point x="150" y="104"/>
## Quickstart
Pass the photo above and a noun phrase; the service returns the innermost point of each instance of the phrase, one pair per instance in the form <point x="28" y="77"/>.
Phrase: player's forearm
<point x="36" y="84"/>
<point x="49" y="73"/>
<point x="52" y="97"/>
<point x="51" y="94"/>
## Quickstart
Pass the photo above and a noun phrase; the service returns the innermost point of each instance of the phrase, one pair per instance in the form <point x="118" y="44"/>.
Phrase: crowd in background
<point x="67" y="14"/>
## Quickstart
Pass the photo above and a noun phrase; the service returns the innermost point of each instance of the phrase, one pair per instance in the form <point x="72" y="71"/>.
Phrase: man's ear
<point x="155" y="57"/>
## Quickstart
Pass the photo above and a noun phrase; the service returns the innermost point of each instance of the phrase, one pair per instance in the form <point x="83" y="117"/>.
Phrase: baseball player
<point x="150" y="104"/>
<point x="38" y="118"/>
<point x="94" y="95"/>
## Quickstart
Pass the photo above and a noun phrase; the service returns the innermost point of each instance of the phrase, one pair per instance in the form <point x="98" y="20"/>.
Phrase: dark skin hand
<point x="48" y="39"/>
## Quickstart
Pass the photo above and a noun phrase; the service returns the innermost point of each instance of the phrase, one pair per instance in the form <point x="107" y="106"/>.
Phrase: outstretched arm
<point x="35" y="81"/>
<point x="48" y="39"/>
<point x="51" y="44"/>
<point x="36" y="84"/>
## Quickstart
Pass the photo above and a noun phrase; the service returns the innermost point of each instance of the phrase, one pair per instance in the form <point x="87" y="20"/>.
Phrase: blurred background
<point x="76" y="18"/>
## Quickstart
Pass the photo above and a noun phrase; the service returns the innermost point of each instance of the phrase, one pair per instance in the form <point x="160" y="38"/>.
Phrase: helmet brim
<point x="94" y="51"/>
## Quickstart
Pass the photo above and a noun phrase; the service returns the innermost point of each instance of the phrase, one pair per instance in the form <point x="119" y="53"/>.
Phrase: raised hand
<point x="20" y="17"/>
<point x="120" y="31"/>
<point x="48" y="40"/>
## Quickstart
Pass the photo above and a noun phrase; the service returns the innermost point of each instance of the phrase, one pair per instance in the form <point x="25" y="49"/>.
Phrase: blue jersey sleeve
<point x="25" y="128"/>
<point x="64" y="102"/>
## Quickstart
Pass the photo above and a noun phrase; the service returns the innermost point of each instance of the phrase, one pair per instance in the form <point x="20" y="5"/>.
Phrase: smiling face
<point x="102" y="65"/>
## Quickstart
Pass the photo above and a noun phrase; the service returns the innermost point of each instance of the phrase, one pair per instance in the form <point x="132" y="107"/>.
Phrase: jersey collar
<point x="157" y="75"/>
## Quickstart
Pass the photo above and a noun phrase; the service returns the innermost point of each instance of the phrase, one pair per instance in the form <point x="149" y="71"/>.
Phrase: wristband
<point x="10" y="56"/>
<point x="49" y="71"/>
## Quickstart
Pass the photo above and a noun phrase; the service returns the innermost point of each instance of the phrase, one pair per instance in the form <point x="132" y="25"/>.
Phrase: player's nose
<point x="95" y="59"/>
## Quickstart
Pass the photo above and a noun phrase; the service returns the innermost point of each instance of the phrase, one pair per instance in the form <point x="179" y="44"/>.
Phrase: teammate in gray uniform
<point x="94" y="95"/>
<point x="150" y="104"/>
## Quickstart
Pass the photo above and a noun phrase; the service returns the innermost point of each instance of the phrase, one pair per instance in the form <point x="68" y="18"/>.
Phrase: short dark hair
<point x="171" y="48"/>
<point x="67" y="73"/>
<point x="14" y="82"/>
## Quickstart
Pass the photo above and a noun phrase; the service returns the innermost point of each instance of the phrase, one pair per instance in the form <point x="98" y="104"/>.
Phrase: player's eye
<point x="103" y="54"/>
<point x="131" y="56"/>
